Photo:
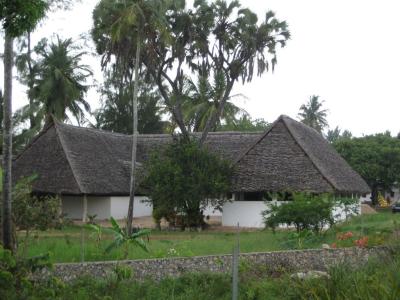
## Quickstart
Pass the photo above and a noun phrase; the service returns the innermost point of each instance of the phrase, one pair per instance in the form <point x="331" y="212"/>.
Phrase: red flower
<point x="362" y="242"/>
<point x="345" y="236"/>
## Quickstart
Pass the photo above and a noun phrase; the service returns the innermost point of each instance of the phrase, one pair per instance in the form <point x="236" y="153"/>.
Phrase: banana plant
<point x="123" y="238"/>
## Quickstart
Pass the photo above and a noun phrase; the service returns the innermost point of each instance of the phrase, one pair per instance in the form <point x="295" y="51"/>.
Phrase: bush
<point x="15" y="273"/>
<point x="183" y="180"/>
<point x="305" y="212"/>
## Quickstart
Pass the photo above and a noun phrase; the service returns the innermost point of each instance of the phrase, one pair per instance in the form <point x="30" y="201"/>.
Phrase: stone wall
<point x="294" y="260"/>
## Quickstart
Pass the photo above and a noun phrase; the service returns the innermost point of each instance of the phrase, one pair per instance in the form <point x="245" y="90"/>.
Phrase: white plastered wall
<point x="246" y="213"/>
<point x="72" y="206"/>
<point x="119" y="207"/>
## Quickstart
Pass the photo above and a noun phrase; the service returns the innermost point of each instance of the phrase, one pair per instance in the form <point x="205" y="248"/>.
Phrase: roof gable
<point x="290" y="148"/>
<point x="46" y="158"/>
<point x="326" y="159"/>
<point x="275" y="162"/>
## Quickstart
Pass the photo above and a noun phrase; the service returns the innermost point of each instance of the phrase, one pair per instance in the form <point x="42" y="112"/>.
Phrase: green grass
<point x="379" y="279"/>
<point x="66" y="245"/>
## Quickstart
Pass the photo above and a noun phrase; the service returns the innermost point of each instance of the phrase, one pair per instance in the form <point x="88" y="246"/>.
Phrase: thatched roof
<point x="289" y="156"/>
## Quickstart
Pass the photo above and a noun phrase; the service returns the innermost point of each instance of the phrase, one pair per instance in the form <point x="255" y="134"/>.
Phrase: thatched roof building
<point x="289" y="156"/>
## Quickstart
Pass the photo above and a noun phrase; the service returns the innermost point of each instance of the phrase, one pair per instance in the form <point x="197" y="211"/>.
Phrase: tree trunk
<point x="134" y="141"/>
<point x="211" y="122"/>
<point x="30" y="83"/>
<point x="7" y="143"/>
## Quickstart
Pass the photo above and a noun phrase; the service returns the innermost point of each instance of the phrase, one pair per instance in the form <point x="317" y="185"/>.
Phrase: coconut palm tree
<point x="313" y="115"/>
<point x="201" y="101"/>
<point x="59" y="85"/>
<point x="129" y="24"/>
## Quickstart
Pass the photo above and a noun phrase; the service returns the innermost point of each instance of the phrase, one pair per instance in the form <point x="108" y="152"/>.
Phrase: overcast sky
<point x="347" y="52"/>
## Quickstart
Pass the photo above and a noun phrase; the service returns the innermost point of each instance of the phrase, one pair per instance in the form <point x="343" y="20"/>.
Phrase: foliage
<point x="377" y="279"/>
<point x="312" y="115"/>
<point x="245" y="123"/>
<point x="333" y="135"/>
<point x="305" y="212"/>
<point x="15" y="274"/>
<point x="122" y="237"/>
<point x="59" y="84"/>
<point x="184" y="179"/>
<point x="211" y="40"/>
<point x="32" y="212"/>
<point x="116" y="111"/>
<point x="200" y="102"/>
<point x="376" y="158"/>
<point x="19" y="16"/>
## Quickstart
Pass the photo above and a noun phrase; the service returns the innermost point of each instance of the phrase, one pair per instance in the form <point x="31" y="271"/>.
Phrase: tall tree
<point x="214" y="40"/>
<point x="58" y="85"/>
<point x="27" y="69"/>
<point x="376" y="158"/>
<point x="128" y="26"/>
<point x="313" y="115"/>
<point x="17" y="17"/>
<point x="116" y="112"/>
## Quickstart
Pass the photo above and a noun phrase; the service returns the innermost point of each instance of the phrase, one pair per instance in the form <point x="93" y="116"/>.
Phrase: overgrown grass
<point x="66" y="245"/>
<point x="379" y="279"/>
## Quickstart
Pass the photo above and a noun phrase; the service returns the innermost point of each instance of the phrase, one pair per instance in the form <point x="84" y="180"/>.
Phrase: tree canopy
<point x="211" y="40"/>
<point x="313" y="115"/>
<point x="115" y="113"/>
<point x="245" y="123"/>
<point x="20" y="16"/>
<point x="375" y="157"/>
<point x="59" y="84"/>
<point x="183" y="180"/>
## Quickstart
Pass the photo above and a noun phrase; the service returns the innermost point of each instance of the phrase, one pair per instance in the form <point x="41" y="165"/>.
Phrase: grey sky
<point x="348" y="52"/>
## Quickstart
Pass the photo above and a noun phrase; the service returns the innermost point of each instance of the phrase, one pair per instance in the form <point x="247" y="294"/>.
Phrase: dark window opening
<point x="253" y="196"/>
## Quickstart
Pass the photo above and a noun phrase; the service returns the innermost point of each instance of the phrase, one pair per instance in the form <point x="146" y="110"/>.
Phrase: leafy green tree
<point x="245" y="123"/>
<point x="184" y="179"/>
<point x="211" y="40"/>
<point x="121" y="30"/>
<point x="313" y="115"/>
<point x="116" y="111"/>
<point x="375" y="157"/>
<point x="16" y="17"/>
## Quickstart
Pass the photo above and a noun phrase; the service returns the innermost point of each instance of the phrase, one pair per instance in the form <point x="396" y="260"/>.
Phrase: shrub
<point x="184" y="179"/>
<point x="15" y="275"/>
<point x="306" y="211"/>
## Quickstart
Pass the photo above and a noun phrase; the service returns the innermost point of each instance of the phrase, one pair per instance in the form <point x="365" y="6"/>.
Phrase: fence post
<point x="235" y="267"/>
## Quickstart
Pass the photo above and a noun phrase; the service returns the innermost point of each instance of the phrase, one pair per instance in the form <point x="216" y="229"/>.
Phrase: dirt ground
<point x="215" y="223"/>
<point x="367" y="209"/>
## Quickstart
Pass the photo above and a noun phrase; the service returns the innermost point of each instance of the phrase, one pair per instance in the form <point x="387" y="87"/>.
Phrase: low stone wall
<point x="294" y="260"/>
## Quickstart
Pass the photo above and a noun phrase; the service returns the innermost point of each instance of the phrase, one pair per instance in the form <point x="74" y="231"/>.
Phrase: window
<point x="253" y="196"/>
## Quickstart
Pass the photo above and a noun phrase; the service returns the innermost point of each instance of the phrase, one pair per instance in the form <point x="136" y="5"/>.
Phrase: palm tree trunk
<point x="134" y="140"/>
<point x="7" y="143"/>
<point x="30" y="82"/>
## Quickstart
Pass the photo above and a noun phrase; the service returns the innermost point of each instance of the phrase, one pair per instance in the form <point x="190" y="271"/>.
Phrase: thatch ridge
<point x="64" y="147"/>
